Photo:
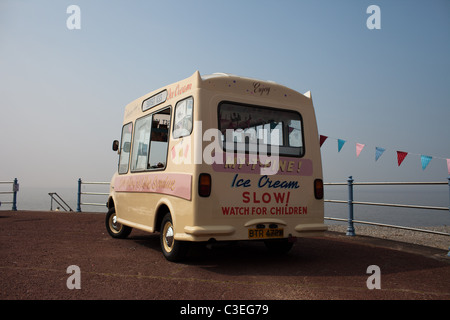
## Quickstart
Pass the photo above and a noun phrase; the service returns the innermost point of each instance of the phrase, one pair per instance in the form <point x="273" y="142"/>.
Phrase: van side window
<point x="124" y="158"/>
<point x="140" y="143"/>
<point x="159" y="140"/>
<point x="183" y="118"/>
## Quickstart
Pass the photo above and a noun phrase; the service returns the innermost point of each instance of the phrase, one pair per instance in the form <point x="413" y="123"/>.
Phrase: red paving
<point x="36" y="248"/>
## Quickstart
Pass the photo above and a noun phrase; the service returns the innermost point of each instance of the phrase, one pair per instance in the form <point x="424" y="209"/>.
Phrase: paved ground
<point x="36" y="248"/>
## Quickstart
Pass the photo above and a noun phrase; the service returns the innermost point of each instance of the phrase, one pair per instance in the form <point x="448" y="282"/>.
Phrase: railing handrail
<point x="388" y="204"/>
<point x="15" y="190"/>
<point x="386" y="183"/>
<point x="95" y="182"/>
<point x="391" y="205"/>
<point x="326" y="184"/>
<point x="400" y="205"/>
<point x="80" y="193"/>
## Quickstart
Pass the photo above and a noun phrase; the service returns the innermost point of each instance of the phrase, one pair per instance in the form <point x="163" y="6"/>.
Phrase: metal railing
<point x="351" y="202"/>
<point x="57" y="198"/>
<point x="15" y="190"/>
<point x="80" y="193"/>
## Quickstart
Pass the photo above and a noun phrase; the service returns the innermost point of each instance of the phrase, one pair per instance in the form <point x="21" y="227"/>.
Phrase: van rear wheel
<point x="173" y="250"/>
<point x="115" y="229"/>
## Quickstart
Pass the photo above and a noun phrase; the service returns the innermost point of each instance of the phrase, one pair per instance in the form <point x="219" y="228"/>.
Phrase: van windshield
<point x="251" y="128"/>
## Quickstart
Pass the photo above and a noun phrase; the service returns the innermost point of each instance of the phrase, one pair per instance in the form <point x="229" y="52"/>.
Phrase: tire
<point x="173" y="250"/>
<point x="115" y="229"/>
<point x="279" y="246"/>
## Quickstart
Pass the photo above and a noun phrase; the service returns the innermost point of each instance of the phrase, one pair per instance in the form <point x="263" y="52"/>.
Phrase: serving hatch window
<point x="150" y="142"/>
<point x="183" y="118"/>
<point x="252" y="127"/>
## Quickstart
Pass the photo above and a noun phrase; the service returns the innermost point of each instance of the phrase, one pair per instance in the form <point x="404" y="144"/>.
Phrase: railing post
<point x="448" y="253"/>
<point x="350" y="228"/>
<point x="15" y="190"/>
<point x="79" y="196"/>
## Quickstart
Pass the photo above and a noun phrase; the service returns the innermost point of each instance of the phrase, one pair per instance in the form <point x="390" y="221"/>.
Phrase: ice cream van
<point x="218" y="158"/>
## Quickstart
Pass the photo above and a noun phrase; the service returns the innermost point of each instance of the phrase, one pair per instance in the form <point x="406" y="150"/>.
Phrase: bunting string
<point x="401" y="155"/>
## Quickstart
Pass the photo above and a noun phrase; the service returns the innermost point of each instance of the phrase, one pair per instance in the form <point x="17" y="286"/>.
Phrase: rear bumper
<point x="209" y="230"/>
<point x="301" y="228"/>
<point x="310" y="230"/>
<point x="228" y="232"/>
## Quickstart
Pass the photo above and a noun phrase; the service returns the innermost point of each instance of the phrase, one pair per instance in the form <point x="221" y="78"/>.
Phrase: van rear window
<point x="253" y="127"/>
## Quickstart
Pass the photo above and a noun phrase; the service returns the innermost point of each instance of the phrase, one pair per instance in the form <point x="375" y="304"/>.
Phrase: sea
<point x="34" y="198"/>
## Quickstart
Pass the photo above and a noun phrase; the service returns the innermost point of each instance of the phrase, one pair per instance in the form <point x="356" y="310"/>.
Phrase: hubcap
<point x="115" y="226"/>
<point x="168" y="237"/>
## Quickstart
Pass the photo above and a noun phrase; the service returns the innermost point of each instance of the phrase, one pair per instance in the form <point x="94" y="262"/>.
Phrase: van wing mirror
<point x="115" y="145"/>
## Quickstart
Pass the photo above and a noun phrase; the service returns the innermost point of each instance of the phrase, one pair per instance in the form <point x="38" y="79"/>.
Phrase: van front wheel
<point x="115" y="229"/>
<point x="173" y="250"/>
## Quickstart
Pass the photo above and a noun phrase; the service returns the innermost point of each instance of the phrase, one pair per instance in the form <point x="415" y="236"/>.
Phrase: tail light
<point x="204" y="185"/>
<point x="318" y="189"/>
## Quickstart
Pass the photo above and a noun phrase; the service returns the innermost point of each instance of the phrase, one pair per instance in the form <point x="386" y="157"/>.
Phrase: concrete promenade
<point x="36" y="248"/>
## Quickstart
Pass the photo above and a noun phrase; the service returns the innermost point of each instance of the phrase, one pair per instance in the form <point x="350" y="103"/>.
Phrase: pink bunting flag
<point x="401" y="156"/>
<point x="359" y="147"/>
<point x="448" y="166"/>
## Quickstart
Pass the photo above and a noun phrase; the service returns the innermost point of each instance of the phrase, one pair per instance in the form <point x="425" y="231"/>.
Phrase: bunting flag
<point x="340" y="144"/>
<point x="378" y="152"/>
<point x="322" y="139"/>
<point x="359" y="147"/>
<point x="401" y="156"/>
<point x="425" y="161"/>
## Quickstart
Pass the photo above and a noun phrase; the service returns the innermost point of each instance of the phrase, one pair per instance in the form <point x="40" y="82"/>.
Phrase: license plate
<point x="265" y="233"/>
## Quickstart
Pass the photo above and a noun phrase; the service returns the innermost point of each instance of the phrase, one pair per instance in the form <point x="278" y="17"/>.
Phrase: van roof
<point x="217" y="82"/>
<point x="230" y="75"/>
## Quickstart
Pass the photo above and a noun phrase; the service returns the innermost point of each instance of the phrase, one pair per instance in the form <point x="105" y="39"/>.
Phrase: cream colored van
<point x="218" y="158"/>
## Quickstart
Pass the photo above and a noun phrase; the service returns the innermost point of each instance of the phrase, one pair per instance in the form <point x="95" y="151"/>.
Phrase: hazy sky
<point x="63" y="92"/>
